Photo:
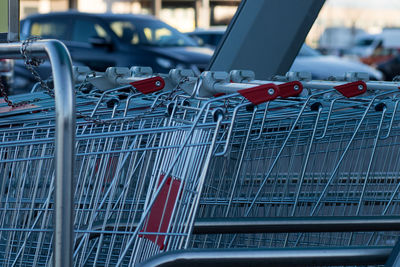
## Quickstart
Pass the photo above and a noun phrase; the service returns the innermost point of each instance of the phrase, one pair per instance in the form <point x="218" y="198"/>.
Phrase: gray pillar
<point x="156" y="8"/>
<point x="197" y="6"/>
<point x="202" y="13"/>
<point x="72" y="4"/>
<point x="109" y="4"/>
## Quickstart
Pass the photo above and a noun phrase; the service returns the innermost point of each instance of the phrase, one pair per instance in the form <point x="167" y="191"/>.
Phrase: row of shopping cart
<point x="156" y="153"/>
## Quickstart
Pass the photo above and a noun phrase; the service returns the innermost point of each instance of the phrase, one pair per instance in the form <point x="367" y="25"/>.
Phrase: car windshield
<point x="306" y="51"/>
<point x="149" y="32"/>
<point x="364" y="42"/>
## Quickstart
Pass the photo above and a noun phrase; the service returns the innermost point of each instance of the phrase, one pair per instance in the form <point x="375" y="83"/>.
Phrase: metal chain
<point x="32" y="62"/>
<point x="3" y="93"/>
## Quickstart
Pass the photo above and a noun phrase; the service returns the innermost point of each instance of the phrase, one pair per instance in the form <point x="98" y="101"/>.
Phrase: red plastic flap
<point x="161" y="212"/>
<point x="150" y="85"/>
<point x="260" y="94"/>
<point x="219" y="94"/>
<point x="290" y="89"/>
<point x="352" y="89"/>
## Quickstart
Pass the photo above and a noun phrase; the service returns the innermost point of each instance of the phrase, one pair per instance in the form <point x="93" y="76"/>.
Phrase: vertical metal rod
<point x="65" y="140"/>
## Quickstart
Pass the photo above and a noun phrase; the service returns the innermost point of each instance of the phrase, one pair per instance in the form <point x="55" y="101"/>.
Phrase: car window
<point x="149" y="32"/>
<point x="126" y="31"/>
<point x="50" y="29"/>
<point x="364" y="42"/>
<point x="205" y="39"/>
<point x="86" y="29"/>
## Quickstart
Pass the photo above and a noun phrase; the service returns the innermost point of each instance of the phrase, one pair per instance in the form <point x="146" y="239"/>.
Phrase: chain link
<point x="3" y="91"/>
<point x="31" y="63"/>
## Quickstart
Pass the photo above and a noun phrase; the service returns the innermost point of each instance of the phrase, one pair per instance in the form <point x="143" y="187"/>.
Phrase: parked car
<point x="210" y="37"/>
<point x="308" y="59"/>
<point x="322" y="67"/>
<point x="390" y="68"/>
<point x="105" y="40"/>
<point x="337" y="40"/>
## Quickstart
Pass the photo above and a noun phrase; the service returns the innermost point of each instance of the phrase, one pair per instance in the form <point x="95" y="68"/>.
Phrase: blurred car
<point x="105" y="40"/>
<point x="390" y="68"/>
<point x="307" y="60"/>
<point x="365" y="45"/>
<point x="323" y="67"/>
<point x="210" y="37"/>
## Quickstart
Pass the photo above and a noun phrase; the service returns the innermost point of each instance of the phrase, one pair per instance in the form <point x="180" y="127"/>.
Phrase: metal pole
<point x="271" y="257"/>
<point x="65" y="140"/>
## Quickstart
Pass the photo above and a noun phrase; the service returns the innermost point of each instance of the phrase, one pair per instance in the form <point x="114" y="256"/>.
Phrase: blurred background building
<point x="369" y="15"/>
<point x="184" y="15"/>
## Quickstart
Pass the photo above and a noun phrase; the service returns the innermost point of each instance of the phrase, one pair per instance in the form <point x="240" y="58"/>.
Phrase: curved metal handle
<point x="228" y="138"/>
<point x="391" y="121"/>
<point x="61" y="67"/>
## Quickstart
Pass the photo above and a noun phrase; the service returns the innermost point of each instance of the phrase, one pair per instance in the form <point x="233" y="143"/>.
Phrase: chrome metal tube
<point x="65" y="140"/>
<point x="296" y="224"/>
<point x="271" y="257"/>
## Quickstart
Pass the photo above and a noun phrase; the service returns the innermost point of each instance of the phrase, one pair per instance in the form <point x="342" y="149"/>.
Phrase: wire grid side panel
<point x="26" y="189"/>
<point x="119" y="176"/>
<point x="351" y="171"/>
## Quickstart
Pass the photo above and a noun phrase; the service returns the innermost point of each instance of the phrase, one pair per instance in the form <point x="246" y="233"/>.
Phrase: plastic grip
<point x="290" y="89"/>
<point x="260" y="94"/>
<point x="150" y="85"/>
<point x="352" y="89"/>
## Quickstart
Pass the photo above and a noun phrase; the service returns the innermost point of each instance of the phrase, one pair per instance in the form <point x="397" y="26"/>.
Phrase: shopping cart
<point x="324" y="155"/>
<point x="149" y="163"/>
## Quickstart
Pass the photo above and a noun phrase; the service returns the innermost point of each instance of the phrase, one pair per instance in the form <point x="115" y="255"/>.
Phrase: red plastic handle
<point x="290" y="89"/>
<point x="260" y="94"/>
<point x="161" y="212"/>
<point x="150" y="85"/>
<point x="352" y="89"/>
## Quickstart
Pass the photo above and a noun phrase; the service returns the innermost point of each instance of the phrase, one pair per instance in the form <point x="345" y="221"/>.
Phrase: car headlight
<point x="165" y="63"/>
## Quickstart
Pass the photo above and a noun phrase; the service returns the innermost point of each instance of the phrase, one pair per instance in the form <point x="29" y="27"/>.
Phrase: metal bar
<point x="249" y="225"/>
<point x="296" y="224"/>
<point x="65" y="140"/>
<point x="272" y="257"/>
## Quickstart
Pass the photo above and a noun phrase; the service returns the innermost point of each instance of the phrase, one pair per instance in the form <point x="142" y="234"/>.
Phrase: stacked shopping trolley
<point x="157" y="155"/>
